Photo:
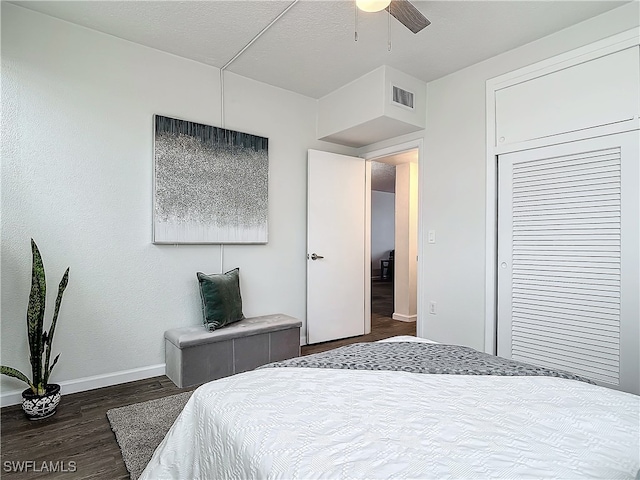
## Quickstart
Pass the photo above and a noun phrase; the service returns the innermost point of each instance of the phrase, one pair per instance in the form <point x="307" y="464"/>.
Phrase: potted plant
<point x="41" y="398"/>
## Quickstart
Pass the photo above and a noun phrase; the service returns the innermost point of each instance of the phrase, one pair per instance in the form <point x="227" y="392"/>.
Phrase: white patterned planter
<point x="37" y="407"/>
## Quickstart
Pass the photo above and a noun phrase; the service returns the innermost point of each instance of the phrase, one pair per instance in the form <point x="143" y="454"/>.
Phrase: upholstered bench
<point x="195" y="355"/>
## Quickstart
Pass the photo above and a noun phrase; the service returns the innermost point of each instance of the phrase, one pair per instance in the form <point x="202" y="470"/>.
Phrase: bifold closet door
<point x="568" y="258"/>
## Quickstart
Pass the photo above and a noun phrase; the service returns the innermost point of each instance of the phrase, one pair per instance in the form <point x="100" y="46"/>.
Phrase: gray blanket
<point x="418" y="357"/>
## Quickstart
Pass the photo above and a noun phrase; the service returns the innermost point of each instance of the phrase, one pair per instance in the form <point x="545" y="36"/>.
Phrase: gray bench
<point x="195" y="355"/>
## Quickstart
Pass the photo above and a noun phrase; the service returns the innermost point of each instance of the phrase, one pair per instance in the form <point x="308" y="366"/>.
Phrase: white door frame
<point x="369" y="157"/>
<point x="594" y="50"/>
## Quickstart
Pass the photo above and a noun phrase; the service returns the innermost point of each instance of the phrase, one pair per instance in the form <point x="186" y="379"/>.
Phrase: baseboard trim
<point x="14" y="397"/>
<point x="404" y="318"/>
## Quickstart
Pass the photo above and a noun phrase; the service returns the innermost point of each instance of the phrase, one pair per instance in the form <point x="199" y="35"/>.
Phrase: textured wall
<point x="77" y="139"/>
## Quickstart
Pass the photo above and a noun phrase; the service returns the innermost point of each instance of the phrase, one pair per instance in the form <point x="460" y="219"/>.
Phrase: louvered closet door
<point x="568" y="255"/>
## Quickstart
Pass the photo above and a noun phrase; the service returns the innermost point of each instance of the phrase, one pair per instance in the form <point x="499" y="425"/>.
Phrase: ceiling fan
<point x="403" y="10"/>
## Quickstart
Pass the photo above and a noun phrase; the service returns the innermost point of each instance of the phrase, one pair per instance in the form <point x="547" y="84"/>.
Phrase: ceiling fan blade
<point x="408" y="15"/>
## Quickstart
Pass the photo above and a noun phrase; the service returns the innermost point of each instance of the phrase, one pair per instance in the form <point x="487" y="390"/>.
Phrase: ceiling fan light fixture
<point x="372" y="5"/>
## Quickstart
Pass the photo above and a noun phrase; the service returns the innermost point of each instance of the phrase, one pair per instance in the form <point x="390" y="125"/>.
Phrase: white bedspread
<point x="315" y="423"/>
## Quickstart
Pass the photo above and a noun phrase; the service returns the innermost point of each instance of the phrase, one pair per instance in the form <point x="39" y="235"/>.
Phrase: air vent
<point x="402" y="97"/>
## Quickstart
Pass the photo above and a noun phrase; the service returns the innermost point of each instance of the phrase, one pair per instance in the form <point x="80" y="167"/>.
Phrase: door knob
<point x="315" y="257"/>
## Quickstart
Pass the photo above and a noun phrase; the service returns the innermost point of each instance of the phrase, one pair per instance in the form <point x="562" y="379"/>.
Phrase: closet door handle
<point x="315" y="257"/>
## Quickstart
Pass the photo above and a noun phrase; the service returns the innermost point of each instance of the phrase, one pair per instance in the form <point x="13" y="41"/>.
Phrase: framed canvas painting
<point x="210" y="185"/>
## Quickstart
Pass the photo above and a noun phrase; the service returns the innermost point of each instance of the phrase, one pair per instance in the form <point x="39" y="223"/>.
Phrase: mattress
<point x="308" y="423"/>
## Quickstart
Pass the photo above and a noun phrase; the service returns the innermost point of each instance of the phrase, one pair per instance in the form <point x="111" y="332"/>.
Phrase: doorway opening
<point x="394" y="243"/>
<point x="327" y="322"/>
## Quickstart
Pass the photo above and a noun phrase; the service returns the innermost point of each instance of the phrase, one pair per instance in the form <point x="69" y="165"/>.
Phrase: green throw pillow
<point x="221" y="300"/>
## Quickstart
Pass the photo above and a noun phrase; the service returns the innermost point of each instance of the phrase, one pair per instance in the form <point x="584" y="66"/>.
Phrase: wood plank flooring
<point x="80" y="432"/>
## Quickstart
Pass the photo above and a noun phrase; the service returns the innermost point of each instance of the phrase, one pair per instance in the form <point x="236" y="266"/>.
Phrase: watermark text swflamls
<point x="10" y="466"/>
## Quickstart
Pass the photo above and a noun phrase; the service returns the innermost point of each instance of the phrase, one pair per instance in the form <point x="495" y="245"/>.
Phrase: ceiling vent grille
<point x="402" y="97"/>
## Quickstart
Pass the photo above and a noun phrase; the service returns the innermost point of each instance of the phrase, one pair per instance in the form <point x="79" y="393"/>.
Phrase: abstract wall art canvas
<point x="210" y="184"/>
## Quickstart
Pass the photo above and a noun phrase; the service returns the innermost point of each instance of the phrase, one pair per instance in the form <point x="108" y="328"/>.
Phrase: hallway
<point x="382" y="325"/>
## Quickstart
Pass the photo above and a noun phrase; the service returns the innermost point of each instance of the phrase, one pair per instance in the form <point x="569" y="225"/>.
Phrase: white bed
<point x="325" y="423"/>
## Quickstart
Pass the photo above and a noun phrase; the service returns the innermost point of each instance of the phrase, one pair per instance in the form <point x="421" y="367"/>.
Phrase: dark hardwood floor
<point x="78" y="439"/>
<point x="79" y="432"/>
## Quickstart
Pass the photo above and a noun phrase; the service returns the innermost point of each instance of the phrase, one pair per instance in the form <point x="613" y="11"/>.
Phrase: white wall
<point x="405" y="274"/>
<point x="453" y="179"/>
<point x="77" y="138"/>
<point x="382" y="227"/>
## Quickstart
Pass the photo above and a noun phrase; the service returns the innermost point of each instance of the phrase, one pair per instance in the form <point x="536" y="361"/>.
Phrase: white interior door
<point x="568" y="266"/>
<point x="336" y="266"/>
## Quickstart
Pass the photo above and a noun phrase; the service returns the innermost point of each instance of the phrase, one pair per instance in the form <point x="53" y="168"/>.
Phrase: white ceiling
<point x="311" y="49"/>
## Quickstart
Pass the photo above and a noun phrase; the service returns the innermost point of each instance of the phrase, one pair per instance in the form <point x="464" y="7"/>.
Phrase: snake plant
<point x="39" y="339"/>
